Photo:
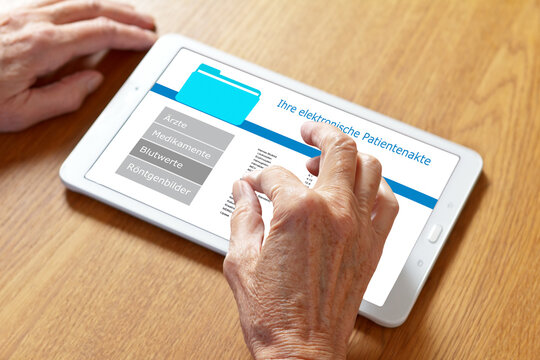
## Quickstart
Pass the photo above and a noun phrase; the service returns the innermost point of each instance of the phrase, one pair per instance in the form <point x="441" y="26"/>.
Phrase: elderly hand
<point x="298" y="294"/>
<point x="38" y="39"/>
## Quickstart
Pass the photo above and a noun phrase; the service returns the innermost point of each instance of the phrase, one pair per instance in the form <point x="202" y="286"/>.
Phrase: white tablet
<point x="191" y="120"/>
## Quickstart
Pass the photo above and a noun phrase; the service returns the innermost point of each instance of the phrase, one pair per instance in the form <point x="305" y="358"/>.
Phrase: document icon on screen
<point x="214" y="94"/>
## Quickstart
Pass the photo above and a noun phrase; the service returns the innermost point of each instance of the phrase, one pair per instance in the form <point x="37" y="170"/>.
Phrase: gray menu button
<point x="159" y="180"/>
<point x="194" y="128"/>
<point x="171" y="161"/>
<point x="183" y="144"/>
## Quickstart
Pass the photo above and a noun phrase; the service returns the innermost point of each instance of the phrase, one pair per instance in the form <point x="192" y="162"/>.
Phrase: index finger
<point x="61" y="43"/>
<point x="38" y="4"/>
<point x="338" y="154"/>
<point x="89" y="36"/>
<point x="274" y="182"/>
<point x="77" y="10"/>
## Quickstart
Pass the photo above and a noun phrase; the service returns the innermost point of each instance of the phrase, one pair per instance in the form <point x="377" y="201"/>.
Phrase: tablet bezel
<point x="424" y="253"/>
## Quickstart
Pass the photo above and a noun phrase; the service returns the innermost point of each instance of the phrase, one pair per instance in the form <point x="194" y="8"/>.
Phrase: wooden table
<point x="80" y="280"/>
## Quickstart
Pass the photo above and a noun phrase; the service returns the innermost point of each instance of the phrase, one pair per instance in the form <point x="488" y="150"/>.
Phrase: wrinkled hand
<point x="298" y="294"/>
<point x="39" y="39"/>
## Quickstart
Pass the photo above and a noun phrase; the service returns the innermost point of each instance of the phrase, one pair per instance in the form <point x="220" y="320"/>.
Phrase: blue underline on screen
<point x="308" y="151"/>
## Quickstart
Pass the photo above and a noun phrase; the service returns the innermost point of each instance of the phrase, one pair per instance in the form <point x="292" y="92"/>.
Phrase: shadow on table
<point x="143" y="230"/>
<point x="369" y="340"/>
<point x="374" y="341"/>
<point x="51" y="141"/>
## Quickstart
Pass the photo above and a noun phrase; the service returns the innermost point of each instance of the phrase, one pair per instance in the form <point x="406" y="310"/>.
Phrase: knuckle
<point x="235" y="267"/>
<point x="241" y="211"/>
<point x="304" y="202"/>
<point x="16" y="18"/>
<point x="363" y="199"/>
<point x="372" y="163"/>
<point x="106" y="25"/>
<point x="12" y="20"/>
<point x="93" y="6"/>
<point x="347" y="143"/>
<point x="340" y="141"/>
<point x="394" y="206"/>
<point x="274" y="171"/>
<point x="230" y="268"/>
<point x="42" y="36"/>
<point x="230" y="264"/>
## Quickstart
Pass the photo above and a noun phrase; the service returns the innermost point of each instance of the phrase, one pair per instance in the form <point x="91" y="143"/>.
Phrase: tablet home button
<point x="434" y="233"/>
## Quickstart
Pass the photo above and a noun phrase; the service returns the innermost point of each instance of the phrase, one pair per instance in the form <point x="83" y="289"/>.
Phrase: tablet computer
<point x="191" y="120"/>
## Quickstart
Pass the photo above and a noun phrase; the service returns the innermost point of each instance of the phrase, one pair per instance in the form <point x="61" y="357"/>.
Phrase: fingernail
<point x="93" y="83"/>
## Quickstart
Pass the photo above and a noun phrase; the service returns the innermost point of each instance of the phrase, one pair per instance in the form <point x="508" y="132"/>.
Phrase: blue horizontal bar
<point x="309" y="151"/>
<point x="164" y="91"/>
<point x="411" y="194"/>
<point x="280" y="139"/>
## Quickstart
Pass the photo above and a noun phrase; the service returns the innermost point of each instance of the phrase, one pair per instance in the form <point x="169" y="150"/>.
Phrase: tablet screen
<point x="204" y="124"/>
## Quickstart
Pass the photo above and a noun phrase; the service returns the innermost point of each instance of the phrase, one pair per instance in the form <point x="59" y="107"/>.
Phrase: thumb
<point x="247" y="231"/>
<point x="38" y="104"/>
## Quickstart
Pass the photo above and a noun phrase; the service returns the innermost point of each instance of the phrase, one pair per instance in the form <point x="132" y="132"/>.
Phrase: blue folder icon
<point x="214" y="94"/>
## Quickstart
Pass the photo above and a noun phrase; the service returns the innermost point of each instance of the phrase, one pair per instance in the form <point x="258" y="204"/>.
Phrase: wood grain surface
<point x="80" y="280"/>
